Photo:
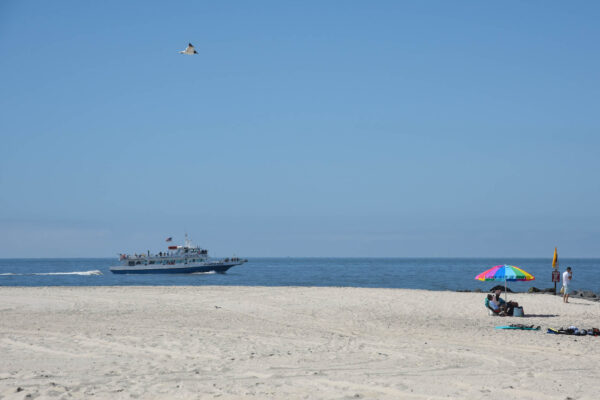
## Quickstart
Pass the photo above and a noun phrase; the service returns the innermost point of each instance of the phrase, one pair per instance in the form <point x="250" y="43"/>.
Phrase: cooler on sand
<point x="518" y="312"/>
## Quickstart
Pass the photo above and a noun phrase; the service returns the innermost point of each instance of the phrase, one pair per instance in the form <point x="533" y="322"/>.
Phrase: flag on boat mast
<point x="169" y="239"/>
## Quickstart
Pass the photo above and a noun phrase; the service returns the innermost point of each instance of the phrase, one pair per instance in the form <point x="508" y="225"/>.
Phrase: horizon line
<point x="329" y="257"/>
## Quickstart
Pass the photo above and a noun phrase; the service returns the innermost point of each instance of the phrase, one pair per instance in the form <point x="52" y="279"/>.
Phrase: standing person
<point x="567" y="276"/>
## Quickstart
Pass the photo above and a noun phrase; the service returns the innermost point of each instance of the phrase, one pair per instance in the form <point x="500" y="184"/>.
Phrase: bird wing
<point x="189" y="49"/>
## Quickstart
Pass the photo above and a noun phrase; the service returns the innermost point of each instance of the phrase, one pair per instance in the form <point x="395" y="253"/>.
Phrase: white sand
<point x="288" y="343"/>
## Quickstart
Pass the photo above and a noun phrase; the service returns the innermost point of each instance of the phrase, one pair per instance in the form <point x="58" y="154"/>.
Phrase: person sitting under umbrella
<point x="494" y="305"/>
<point x="507" y="307"/>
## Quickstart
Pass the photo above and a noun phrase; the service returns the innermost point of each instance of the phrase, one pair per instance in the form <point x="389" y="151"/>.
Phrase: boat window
<point x="131" y="263"/>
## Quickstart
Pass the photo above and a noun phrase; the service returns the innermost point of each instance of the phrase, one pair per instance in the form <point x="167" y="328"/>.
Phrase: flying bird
<point x="189" y="50"/>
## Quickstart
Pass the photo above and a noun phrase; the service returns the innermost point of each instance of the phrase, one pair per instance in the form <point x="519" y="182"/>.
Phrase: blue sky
<point x="427" y="128"/>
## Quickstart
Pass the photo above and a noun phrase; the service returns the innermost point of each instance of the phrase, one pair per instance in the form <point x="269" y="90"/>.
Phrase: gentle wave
<point x="82" y="273"/>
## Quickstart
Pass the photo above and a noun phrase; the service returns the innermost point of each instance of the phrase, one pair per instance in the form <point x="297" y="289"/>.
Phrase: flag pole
<point x="555" y="266"/>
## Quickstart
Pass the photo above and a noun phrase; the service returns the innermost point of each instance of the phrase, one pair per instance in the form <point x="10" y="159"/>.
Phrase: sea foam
<point x="83" y="273"/>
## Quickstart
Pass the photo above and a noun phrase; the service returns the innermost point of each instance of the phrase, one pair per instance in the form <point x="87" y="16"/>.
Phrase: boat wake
<point x="203" y="273"/>
<point x="82" y="273"/>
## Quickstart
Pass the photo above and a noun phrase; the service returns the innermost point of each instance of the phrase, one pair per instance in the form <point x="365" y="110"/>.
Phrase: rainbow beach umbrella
<point x="505" y="273"/>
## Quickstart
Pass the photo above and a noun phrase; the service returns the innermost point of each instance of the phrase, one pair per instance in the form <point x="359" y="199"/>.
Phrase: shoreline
<point x="580" y="294"/>
<point x="288" y="342"/>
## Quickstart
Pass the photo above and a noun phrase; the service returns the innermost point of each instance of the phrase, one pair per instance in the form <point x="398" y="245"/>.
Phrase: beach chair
<point x="490" y="309"/>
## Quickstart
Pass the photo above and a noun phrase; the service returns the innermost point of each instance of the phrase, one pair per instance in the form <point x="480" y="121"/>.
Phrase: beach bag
<point x="518" y="312"/>
<point x="562" y="290"/>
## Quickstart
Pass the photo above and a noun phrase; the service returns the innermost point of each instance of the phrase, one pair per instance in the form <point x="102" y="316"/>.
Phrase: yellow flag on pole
<point x="555" y="259"/>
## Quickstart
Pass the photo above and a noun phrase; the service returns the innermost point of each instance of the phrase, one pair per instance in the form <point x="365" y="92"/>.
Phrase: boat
<point x="186" y="259"/>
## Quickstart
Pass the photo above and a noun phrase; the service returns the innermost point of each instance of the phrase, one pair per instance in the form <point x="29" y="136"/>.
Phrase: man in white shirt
<point x="567" y="276"/>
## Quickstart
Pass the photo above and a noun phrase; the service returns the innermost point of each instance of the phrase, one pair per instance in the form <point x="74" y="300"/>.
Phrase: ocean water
<point x="415" y="273"/>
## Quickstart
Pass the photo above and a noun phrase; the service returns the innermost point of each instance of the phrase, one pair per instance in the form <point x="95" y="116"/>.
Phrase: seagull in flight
<point x="189" y="50"/>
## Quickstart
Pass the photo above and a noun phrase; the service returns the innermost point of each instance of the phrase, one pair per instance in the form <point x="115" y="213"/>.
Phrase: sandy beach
<point x="288" y="343"/>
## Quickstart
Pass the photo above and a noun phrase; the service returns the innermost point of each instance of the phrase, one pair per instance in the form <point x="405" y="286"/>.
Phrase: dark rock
<point x="501" y="287"/>
<point x="588" y="294"/>
<point x="20" y="389"/>
<point x="478" y="290"/>
<point x="533" y="289"/>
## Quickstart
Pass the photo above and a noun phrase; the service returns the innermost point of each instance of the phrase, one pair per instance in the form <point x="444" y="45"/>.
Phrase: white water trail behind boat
<point x="82" y="273"/>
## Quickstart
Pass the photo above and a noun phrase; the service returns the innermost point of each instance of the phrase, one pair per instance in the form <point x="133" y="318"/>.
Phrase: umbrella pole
<point x="505" y="295"/>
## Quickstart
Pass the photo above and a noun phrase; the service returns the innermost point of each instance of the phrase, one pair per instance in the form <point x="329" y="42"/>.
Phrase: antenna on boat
<point x="188" y="243"/>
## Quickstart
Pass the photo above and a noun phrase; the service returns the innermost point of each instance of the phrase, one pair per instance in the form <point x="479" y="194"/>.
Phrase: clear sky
<point x="325" y="128"/>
